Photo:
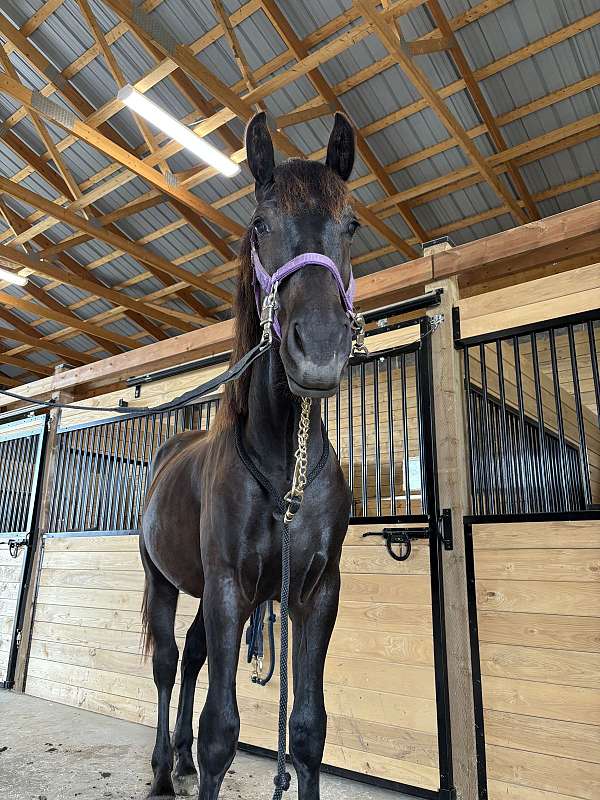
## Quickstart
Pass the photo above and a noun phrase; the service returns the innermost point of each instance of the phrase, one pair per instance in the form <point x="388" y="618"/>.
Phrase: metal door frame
<point x="27" y="538"/>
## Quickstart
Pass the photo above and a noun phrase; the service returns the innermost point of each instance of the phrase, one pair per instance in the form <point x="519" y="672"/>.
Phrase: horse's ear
<point x="259" y="150"/>
<point x="340" y="150"/>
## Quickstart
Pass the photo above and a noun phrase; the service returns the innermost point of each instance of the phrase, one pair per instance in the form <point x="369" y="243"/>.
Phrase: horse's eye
<point x="260" y="226"/>
<point x="352" y="227"/>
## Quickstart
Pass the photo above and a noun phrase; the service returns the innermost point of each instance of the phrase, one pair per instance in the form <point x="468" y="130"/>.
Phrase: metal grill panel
<point x="534" y="418"/>
<point x="19" y="459"/>
<point x="372" y="422"/>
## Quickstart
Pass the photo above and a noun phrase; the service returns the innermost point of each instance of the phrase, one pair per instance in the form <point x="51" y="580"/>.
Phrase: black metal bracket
<point x="445" y="529"/>
<point x="448" y="794"/>
<point x="14" y="545"/>
<point x="402" y="537"/>
<point x="456" y="325"/>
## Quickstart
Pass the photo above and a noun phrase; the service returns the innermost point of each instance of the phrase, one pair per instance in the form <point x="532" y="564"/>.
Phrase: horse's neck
<point x="269" y="431"/>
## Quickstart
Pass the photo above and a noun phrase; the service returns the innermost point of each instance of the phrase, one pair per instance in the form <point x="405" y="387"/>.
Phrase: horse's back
<point x="173" y="447"/>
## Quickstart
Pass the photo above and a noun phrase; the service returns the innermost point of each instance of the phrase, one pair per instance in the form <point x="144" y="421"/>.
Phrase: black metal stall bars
<point x="533" y="400"/>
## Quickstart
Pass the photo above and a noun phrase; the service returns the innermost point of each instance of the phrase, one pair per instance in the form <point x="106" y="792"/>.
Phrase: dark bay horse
<point x="210" y="529"/>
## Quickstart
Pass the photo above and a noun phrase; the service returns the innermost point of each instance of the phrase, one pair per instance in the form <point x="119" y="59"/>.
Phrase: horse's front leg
<point x="313" y="623"/>
<point x="225" y="612"/>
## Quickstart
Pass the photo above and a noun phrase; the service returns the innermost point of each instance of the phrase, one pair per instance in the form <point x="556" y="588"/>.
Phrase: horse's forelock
<point x="299" y="184"/>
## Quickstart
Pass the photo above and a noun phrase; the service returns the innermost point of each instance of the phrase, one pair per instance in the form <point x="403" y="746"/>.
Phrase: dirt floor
<point x="54" y="752"/>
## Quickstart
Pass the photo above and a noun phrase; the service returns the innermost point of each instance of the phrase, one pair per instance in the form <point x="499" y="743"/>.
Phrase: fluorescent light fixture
<point x="12" y="277"/>
<point x="176" y="130"/>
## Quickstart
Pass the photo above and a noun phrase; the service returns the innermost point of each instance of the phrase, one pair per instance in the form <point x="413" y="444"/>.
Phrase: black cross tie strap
<point x="232" y="374"/>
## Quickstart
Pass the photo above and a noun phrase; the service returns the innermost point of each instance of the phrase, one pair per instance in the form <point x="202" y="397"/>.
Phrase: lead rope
<point x="293" y="499"/>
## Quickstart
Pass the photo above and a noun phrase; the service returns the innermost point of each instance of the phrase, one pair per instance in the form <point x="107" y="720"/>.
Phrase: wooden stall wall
<point x="380" y="688"/>
<point x="10" y="583"/>
<point x="537" y="588"/>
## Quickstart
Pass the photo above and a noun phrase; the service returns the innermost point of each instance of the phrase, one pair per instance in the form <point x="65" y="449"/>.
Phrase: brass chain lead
<point x="294" y="497"/>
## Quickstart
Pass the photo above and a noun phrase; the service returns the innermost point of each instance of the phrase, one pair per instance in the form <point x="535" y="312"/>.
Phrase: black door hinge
<point x="445" y="529"/>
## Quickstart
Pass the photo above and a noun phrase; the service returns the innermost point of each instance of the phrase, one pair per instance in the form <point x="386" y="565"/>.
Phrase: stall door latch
<point x="398" y="540"/>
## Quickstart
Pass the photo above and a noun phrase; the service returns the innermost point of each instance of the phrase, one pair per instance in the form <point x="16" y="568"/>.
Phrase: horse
<point x="210" y="529"/>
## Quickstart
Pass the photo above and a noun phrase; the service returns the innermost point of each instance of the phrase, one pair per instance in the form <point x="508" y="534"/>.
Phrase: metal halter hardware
<point x="270" y="305"/>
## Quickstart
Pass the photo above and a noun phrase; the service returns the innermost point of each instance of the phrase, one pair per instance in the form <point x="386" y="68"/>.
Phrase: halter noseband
<point x="269" y="285"/>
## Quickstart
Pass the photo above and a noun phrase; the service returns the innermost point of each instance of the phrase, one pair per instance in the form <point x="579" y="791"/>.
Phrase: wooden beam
<point x="300" y="51"/>
<point x="238" y="53"/>
<point x="481" y="104"/>
<point x="576" y="231"/>
<point x="451" y="439"/>
<point x="182" y="56"/>
<point x="418" y="78"/>
<point x="24" y="364"/>
<point x="71" y="356"/>
<point x="43" y="133"/>
<point x="47" y="270"/>
<point x="18" y="224"/>
<point x="69" y="320"/>
<point x="98" y="232"/>
<point x="93" y="137"/>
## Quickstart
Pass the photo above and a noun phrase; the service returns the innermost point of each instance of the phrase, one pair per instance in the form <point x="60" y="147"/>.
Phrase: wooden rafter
<point x="142" y="168"/>
<point x="142" y="254"/>
<point x="300" y="51"/>
<point x="18" y="224"/>
<point x="504" y="161"/>
<point x="37" y="342"/>
<point x="10" y="301"/>
<point x="480" y="103"/>
<point x="183" y="57"/>
<point x="418" y="78"/>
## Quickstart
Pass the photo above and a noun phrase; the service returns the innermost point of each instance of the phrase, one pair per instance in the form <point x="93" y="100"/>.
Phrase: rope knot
<point x="282" y="781"/>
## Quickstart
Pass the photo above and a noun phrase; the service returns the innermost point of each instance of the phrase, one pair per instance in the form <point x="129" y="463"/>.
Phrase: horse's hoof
<point x="162" y="789"/>
<point x="186" y="785"/>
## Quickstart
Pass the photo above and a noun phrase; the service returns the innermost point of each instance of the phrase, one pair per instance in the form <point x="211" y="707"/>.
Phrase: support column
<point x="40" y="527"/>
<point x="453" y="470"/>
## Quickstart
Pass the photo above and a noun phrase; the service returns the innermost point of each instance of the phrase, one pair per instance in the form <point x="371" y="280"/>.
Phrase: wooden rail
<point x="549" y="245"/>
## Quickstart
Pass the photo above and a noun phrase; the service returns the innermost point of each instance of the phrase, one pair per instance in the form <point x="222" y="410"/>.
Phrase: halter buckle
<point x="270" y="307"/>
<point x="357" y="321"/>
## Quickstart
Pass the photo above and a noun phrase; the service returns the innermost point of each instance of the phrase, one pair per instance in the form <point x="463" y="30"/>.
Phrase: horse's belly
<point x="171" y="533"/>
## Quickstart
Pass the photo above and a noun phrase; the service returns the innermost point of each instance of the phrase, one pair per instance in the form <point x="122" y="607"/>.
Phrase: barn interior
<point x="472" y="664"/>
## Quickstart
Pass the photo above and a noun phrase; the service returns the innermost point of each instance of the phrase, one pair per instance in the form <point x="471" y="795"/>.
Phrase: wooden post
<point x="452" y="464"/>
<point x="36" y="539"/>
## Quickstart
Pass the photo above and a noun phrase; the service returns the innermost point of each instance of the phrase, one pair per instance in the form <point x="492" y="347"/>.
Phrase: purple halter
<point x="266" y="282"/>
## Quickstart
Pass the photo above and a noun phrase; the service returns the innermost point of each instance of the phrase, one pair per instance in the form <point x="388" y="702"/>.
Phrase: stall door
<point x="20" y="457"/>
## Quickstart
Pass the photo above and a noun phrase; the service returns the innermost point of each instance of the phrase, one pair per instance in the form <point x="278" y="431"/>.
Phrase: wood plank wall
<point x="10" y="582"/>
<point x="380" y="690"/>
<point x="538" y="608"/>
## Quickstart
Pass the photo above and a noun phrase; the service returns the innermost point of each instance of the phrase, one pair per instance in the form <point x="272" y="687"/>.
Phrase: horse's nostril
<point x="298" y="339"/>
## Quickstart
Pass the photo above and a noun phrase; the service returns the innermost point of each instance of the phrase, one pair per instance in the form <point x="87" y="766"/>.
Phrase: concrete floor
<point x="54" y="752"/>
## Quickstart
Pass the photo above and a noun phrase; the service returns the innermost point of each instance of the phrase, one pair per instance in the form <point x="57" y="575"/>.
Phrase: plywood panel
<point x="379" y="679"/>
<point x="10" y="583"/>
<point x="538" y="607"/>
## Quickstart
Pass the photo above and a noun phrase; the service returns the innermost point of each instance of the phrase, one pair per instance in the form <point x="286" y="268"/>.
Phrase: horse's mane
<point x="298" y="185"/>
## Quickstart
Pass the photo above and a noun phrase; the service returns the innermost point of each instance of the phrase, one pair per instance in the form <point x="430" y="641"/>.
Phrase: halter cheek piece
<point x="270" y="283"/>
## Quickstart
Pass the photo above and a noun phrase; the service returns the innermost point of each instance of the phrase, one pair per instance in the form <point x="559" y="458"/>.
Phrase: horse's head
<point x="303" y="207"/>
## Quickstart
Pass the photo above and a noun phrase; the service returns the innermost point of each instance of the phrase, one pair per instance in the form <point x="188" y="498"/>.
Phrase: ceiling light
<point x="176" y="130"/>
<point x="12" y="277"/>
